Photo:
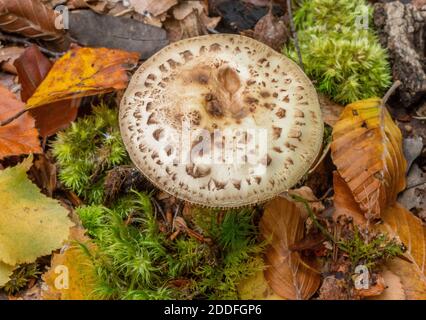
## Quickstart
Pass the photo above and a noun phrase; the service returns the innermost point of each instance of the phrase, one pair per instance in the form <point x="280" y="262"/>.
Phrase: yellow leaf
<point x="5" y="273"/>
<point x="367" y="151"/>
<point x="75" y="264"/>
<point x="31" y="224"/>
<point x="83" y="72"/>
<point x="290" y="277"/>
<point x="256" y="288"/>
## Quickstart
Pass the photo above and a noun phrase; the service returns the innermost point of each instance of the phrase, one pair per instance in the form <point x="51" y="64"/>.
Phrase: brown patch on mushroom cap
<point x="216" y="83"/>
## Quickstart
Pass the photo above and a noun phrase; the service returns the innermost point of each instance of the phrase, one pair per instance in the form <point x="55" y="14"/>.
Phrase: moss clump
<point x="137" y="261"/>
<point x="344" y="58"/>
<point x="21" y="277"/>
<point x="86" y="150"/>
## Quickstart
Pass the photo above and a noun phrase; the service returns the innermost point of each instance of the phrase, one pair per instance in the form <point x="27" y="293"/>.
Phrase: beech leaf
<point x="32" y="67"/>
<point x="83" y="72"/>
<point x="367" y="151"/>
<point x="286" y="273"/>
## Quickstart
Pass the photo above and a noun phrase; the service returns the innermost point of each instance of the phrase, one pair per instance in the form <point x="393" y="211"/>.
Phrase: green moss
<point x="20" y="278"/>
<point x="137" y="261"/>
<point x="345" y="60"/>
<point x="86" y="150"/>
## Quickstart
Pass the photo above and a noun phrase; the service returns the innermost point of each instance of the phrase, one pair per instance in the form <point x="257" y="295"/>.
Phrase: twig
<point x="18" y="40"/>
<point x="294" y="34"/>
<point x="12" y="118"/>
<point x="157" y="205"/>
<point x="390" y="92"/>
<point x="419" y="118"/>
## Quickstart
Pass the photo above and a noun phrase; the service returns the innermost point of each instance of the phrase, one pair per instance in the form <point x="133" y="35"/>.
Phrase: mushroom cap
<point x="221" y="121"/>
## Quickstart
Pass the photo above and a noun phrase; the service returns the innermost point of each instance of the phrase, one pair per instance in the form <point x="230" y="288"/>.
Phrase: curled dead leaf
<point x="287" y="274"/>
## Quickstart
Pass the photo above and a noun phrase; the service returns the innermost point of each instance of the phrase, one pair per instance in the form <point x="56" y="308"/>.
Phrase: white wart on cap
<point x="221" y="121"/>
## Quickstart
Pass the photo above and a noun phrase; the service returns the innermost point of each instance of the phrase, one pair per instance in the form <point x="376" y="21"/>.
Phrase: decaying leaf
<point x="272" y="31"/>
<point x="394" y="289"/>
<point x="5" y="273"/>
<point x="153" y="7"/>
<point x="83" y="72"/>
<point x="18" y="137"/>
<point x="367" y="151"/>
<point x="32" y="67"/>
<point x="287" y="274"/>
<point x="81" y="272"/>
<point x="331" y="111"/>
<point x="401" y="223"/>
<point x="30" y="18"/>
<point x="344" y="202"/>
<point x="7" y="56"/>
<point x="31" y="225"/>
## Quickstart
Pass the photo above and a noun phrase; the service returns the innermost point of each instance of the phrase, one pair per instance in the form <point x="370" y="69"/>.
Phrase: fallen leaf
<point x="18" y="137"/>
<point x="32" y="67"/>
<point x="331" y="111"/>
<point x="31" y="224"/>
<point x="344" y="202"/>
<point x="368" y="155"/>
<point x="153" y="7"/>
<point x="272" y="31"/>
<point x="5" y="273"/>
<point x="83" y="72"/>
<point x="32" y="19"/>
<point x="43" y="173"/>
<point x="410" y="230"/>
<point x="394" y="289"/>
<point x="286" y="273"/>
<point x="8" y="56"/>
<point x="78" y="263"/>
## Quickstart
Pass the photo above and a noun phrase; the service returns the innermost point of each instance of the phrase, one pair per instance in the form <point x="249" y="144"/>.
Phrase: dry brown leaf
<point x="18" y="137"/>
<point x="286" y="273"/>
<point x="32" y="67"/>
<point x="153" y="7"/>
<point x="83" y="72"/>
<point x="8" y="56"/>
<point x="368" y="155"/>
<point x="404" y="225"/>
<point x="79" y="267"/>
<point x="30" y="18"/>
<point x="272" y="31"/>
<point x="344" y="202"/>
<point x="394" y="289"/>
<point x="331" y="111"/>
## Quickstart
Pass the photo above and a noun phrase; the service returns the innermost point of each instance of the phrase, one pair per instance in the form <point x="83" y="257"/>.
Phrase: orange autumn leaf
<point x="288" y="276"/>
<point x="367" y="151"/>
<point x="75" y="264"/>
<point x="83" y="72"/>
<point x="20" y="136"/>
<point x="409" y="279"/>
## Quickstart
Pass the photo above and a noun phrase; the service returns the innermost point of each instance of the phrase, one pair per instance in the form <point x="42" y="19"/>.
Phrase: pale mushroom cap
<point x="245" y="97"/>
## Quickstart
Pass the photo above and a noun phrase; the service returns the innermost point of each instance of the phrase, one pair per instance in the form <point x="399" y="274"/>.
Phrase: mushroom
<point x="221" y="121"/>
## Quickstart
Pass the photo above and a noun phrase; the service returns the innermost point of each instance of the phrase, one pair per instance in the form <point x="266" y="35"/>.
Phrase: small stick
<point x="28" y="43"/>
<point x="294" y="33"/>
<point x="390" y="92"/>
